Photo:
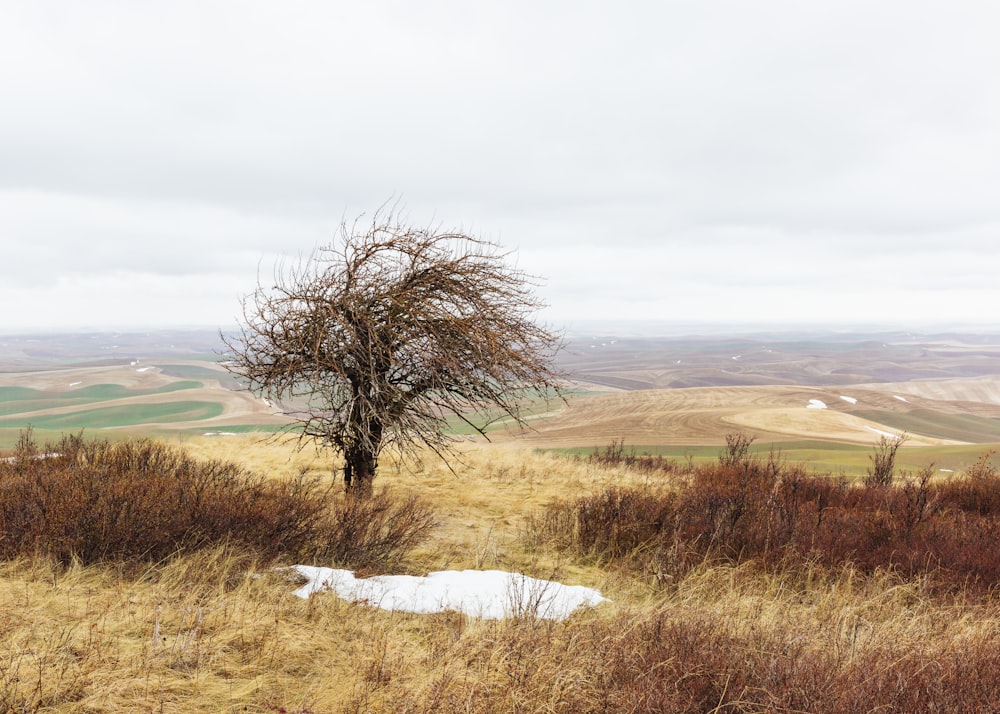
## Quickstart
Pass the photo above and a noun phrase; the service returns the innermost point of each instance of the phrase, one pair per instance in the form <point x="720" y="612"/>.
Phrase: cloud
<point x="758" y="147"/>
<point x="53" y="235"/>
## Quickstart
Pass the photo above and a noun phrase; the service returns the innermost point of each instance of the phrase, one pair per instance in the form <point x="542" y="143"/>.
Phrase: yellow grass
<point x="211" y="632"/>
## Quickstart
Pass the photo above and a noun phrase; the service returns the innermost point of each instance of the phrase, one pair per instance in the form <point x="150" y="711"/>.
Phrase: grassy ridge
<point x="852" y="460"/>
<point x="10" y="435"/>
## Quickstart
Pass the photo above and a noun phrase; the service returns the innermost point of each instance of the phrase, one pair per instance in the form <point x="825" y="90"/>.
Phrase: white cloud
<point x="717" y="159"/>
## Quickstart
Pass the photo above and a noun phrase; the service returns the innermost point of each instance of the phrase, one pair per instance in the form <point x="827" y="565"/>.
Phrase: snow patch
<point x="489" y="594"/>
<point x="73" y="384"/>
<point x="816" y="404"/>
<point x="144" y="369"/>
<point x="852" y="400"/>
<point x="902" y="399"/>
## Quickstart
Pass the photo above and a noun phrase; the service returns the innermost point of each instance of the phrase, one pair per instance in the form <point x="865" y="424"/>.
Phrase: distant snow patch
<point x="852" y="400"/>
<point x="816" y="404"/>
<point x="144" y="369"/>
<point x="736" y="357"/>
<point x="73" y="384"/>
<point x="902" y="399"/>
<point x="489" y="594"/>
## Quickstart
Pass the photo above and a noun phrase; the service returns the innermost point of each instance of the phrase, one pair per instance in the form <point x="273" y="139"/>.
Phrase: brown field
<point x="705" y="415"/>
<point x="941" y="390"/>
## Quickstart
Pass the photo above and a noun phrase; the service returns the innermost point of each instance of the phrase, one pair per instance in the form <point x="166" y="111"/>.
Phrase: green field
<point x="823" y="457"/>
<point x="194" y="371"/>
<point x="22" y="400"/>
<point x="110" y="417"/>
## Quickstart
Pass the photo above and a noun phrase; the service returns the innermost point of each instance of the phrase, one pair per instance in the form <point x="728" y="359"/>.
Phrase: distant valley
<point x="804" y="393"/>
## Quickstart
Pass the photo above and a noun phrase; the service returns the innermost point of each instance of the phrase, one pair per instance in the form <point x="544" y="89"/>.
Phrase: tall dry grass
<point x="218" y="630"/>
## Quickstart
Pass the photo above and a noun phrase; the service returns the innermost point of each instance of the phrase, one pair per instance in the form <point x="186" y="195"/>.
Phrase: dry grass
<point x="212" y="632"/>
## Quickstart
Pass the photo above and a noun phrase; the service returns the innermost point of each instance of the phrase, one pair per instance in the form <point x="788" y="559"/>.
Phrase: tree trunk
<point x="360" y="465"/>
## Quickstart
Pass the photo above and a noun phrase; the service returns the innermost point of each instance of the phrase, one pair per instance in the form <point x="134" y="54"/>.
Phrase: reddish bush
<point x="142" y="500"/>
<point x="749" y="508"/>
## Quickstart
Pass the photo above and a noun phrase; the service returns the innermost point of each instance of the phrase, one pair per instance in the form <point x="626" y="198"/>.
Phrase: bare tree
<point x="387" y="333"/>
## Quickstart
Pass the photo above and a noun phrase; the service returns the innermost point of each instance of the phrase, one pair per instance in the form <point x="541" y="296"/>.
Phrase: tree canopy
<point x="390" y="332"/>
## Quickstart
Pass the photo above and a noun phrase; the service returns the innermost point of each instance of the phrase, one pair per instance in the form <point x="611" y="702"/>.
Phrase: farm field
<point x="820" y="399"/>
<point x="169" y="386"/>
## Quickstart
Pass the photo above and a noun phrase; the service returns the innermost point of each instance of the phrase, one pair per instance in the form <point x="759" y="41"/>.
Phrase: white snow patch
<point x="902" y="399"/>
<point x="816" y="404"/>
<point x="852" y="400"/>
<point x="489" y="594"/>
<point x="144" y="369"/>
<point x="884" y="433"/>
<point x="73" y="384"/>
<point x="737" y="356"/>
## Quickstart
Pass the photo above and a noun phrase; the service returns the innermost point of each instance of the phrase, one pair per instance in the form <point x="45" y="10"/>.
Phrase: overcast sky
<point x="699" y="161"/>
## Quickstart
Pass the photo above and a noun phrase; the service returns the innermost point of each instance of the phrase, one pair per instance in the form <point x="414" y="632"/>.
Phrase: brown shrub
<point x="374" y="533"/>
<point x="615" y="454"/>
<point x="133" y="501"/>
<point x="747" y="508"/>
